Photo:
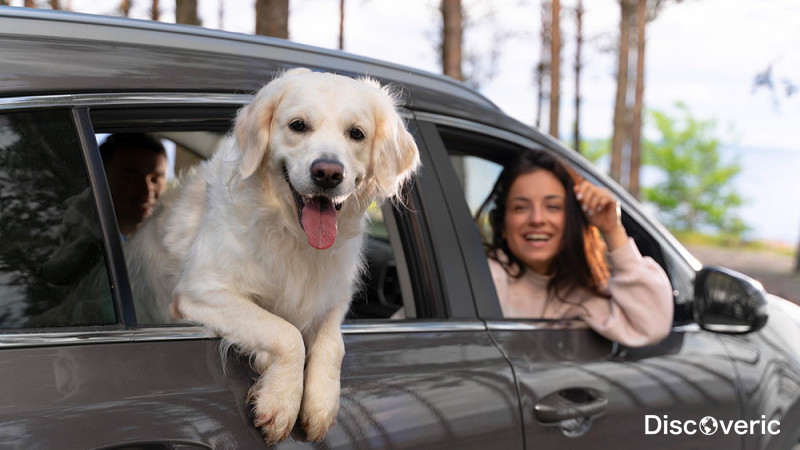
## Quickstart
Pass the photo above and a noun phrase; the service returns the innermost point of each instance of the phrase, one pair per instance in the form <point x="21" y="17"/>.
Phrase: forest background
<point x="703" y="126"/>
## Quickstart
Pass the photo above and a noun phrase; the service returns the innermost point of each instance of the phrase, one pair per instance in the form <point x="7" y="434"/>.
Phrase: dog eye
<point x="356" y="134"/>
<point x="298" y="125"/>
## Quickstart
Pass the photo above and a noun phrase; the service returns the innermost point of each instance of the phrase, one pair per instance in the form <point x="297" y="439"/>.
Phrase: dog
<point x="263" y="242"/>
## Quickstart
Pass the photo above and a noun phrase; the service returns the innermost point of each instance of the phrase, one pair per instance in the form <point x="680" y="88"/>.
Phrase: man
<point x="136" y="169"/>
<point x="135" y="166"/>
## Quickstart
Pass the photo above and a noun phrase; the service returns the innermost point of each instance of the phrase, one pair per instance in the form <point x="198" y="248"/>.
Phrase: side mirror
<point x="727" y="301"/>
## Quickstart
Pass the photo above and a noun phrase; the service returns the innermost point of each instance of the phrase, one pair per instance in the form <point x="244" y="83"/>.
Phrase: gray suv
<point x="430" y="360"/>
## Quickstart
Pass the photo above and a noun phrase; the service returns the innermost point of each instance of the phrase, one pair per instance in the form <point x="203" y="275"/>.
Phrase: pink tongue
<point x="319" y="223"/>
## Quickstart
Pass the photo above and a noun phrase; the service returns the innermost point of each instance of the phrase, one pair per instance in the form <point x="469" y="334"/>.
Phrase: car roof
<point x="55" y="52"/>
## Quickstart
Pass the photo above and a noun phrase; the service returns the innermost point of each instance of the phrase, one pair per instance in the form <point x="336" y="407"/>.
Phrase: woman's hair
<point x="580" y="261"/>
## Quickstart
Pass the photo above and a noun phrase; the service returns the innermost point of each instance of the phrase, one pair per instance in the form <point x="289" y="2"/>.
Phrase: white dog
<point x="263" y="242"/>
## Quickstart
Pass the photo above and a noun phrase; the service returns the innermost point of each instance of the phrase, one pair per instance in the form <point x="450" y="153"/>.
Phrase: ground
<point x="773" y="270"/>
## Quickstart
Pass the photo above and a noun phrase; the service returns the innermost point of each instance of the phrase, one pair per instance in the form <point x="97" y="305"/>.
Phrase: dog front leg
<point x="322" y="377"/>
<point x="276" y="345"/>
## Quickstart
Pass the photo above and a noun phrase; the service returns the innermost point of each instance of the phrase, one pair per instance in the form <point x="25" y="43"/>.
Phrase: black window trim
<point x="114" y="257"/>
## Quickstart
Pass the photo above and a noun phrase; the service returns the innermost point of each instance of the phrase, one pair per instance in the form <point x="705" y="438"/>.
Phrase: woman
<point x="548" y="259"/>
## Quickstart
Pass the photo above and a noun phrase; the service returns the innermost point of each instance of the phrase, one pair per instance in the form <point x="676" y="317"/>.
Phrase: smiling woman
<point x="546" y="254"/>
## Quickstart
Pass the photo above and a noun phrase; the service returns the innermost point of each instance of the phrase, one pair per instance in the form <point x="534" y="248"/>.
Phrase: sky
<point x="704" y="53"/>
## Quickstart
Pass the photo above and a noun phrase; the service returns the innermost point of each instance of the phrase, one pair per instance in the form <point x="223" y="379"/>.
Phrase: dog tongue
<point x="319" y="223"/>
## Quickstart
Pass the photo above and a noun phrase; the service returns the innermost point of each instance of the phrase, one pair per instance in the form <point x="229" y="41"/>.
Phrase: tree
<point x="272" y="18"/>
<point x="576" y="129"/>
<point x="186" y="12"/>
<point x="638" y="102"/>
<point x="555" y="67"/>
<point x="627" y="135"/>
<point x="341" y="24"/>
<point x="452" y="38"/>
<point x="619" y="137"/>
<point x="155" y="12"/>
<point x="125" y="8"/>
<point x="543" y="68"/>
<point x="696" y="190"/>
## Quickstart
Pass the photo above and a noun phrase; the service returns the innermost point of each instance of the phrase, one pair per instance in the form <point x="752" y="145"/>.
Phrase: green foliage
<point x="596" y="149"/>
<point x="696" y="190"/>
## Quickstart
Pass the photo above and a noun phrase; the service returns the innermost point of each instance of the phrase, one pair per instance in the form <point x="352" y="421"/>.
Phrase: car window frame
<point x="423" y="237"/>
<point x="681" y="266"/>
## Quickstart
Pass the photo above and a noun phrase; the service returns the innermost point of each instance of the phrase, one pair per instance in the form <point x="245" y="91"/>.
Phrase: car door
<point x="578" y="390"/>
<point x="428" y="375"/>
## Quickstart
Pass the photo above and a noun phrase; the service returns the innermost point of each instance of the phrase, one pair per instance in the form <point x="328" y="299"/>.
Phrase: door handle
<point x="570" y="403"/>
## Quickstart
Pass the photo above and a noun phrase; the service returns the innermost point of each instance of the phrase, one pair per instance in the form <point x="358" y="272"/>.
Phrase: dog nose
<point x="327" y="173"/>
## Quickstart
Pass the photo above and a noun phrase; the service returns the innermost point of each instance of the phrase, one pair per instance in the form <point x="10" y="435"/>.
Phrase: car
<point x="430" y="361"/>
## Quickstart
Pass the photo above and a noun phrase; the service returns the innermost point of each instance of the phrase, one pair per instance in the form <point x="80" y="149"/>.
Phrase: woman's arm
<point x="641" y="306"/>
<point x="640" y="309"/>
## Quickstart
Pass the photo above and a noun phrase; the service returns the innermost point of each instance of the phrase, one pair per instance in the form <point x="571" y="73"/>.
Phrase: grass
<point x="731" y="241"/>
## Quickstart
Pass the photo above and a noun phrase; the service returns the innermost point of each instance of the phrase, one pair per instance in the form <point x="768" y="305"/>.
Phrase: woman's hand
<point x="602" y="210"/>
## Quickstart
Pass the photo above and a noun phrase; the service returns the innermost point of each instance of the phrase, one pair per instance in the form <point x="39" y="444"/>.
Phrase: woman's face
<point x="534" y="219"/>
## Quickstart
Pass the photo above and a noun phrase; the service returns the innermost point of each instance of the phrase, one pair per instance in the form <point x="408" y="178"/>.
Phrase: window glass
<point x="52" y="266"/>
<point x="382" y="285"/>
<point x="477" y="176"/>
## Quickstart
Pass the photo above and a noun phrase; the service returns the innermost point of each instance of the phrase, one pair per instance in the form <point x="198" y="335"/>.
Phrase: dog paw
<point x="275" y="407"/>
<point x="319" y="409"/>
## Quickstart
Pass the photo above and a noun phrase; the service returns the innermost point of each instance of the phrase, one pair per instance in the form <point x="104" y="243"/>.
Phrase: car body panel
<point x="686" y="377"/>
<point x="401" y="389"/>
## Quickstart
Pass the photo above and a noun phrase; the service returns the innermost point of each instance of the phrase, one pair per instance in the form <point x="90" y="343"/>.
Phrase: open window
<point x="478" y="159"/>
<point x="191" y="135"/>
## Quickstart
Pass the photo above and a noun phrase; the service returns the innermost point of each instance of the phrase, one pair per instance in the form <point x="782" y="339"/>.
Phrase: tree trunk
<point x="576" y="131"/>
<point x="555" y="68"/>
<point x="272" y="18"/>
<point x="452" y="35"/>
<point x="544" y="61"/>
<point x="186" y="12"/>
<point x="155" y="11"/>
<point x="55" y="4"/>
<point x="620" y="103"/>
<point x="30" y="4"/>
<point x="221" y="14"/>
<point x="125" y="7"/>
<point x="341" y="24"/>
<point x="638" y="104"/>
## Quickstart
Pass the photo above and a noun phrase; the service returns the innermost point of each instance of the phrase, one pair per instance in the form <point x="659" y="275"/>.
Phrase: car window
<point x="478" y="159"/>
<point x="52" y="263"/>
<point x="385" y="288"/>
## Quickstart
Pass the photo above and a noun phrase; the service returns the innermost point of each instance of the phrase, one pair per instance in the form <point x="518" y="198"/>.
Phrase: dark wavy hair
<point x="580" y="262"/>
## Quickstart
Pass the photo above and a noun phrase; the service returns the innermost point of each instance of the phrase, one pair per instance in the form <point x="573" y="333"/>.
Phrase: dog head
<point x="331" y="139"/>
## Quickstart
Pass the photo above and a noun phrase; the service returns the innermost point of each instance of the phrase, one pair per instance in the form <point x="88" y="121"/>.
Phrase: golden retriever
<point x="263" y="242"/>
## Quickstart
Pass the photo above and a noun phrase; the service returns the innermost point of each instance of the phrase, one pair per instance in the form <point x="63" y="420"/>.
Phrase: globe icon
<point x="708" y="425"/>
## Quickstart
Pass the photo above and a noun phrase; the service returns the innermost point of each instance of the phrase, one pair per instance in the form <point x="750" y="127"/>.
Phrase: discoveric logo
<point x="709" y="426"/>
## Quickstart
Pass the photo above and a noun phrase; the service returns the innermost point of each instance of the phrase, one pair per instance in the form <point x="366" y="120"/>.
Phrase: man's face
<point x="136" y="177"/>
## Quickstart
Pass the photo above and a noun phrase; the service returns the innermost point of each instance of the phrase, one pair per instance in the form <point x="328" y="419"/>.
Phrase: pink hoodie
<point x="638" y="312"/>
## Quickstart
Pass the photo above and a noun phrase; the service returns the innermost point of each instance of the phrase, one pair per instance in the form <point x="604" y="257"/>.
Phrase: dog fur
<point x="230" y="249"/>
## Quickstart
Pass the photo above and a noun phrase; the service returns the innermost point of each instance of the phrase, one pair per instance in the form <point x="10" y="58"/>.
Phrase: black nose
<point x="327" y="173"/>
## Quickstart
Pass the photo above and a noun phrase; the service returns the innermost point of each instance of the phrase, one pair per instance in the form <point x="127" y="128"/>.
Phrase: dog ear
<point x="395" y="155"/>
<point x="254" y="121"/>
